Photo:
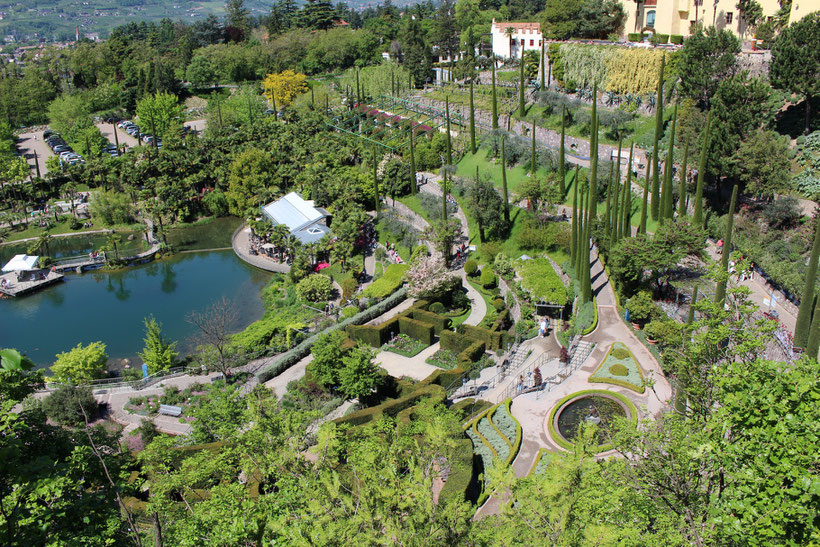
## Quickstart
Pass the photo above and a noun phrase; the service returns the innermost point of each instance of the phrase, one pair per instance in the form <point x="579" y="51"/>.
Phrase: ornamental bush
<point x="618" y="370"/>
<point x="314" y="288"/>
<point x="437" y="307"/>
<point x="470" y="267"/>
<point x="640" y="307"/>
<point x="488" y="279"/>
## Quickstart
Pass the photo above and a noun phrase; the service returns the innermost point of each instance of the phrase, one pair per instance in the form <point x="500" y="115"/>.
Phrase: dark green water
<point x="110" y="307"/>
<point x="600" y="410"/>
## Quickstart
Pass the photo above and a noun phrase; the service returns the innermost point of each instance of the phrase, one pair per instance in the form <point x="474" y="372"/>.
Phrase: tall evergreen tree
<point x="682" y="190"/>
<point x="586" y="286"/>
<point x="813" y="345"/>
<point x="521" y="110"/>
<point x="543" y="67"/>
<point x="562" y="157"/>
<point x="495" y="100"/>
<point x="626" y="218"/>
<point x="532" y="154"/>
<point x="573" y="245"/>
<point x="473" y="147"/>
<point x="608" y="210"/>
<point x="656" y="198"/>
<point x="667" y="202"/>
<point x="417" y="56"/>
<point x="504" y="182"/>
<point x="801" y="329"/>
<point x="593" y="167"/>
<point x="317" y="14"/>
<point x="413" y="184"/>
<point x="447" y="123"/>
<point x="697" y="215"/>
<point x="376" y="179"/>
<point x="642" y="226"/>
<point x="579" y="243"/>
<point x="720" y="290"/>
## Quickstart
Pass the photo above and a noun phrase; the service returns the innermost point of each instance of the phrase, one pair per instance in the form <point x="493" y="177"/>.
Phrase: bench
<point x="170" y="410"/>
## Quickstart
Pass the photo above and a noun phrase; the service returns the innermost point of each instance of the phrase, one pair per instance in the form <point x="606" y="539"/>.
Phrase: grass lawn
<point x="62" y="227"/>
<point x="384" y="236"/>
<point x="335" y="273"/>
<point x="459" y="319"/>
<point x="414" y="204"/>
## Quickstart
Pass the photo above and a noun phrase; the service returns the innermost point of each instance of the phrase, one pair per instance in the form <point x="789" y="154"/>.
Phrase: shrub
<point x="488" y="279"/>
<point x="75" y="223"/>
<point x="498" y="304"/>
<point x="660" y="39"/>
<point x="640" y="307"/>
<point x="634" y="37"/>
<point x="314" y="288"/>
<point x="439" y="322"/>
<point x="62" y="406"/>
<point x="620" y="353"/>
<point x="416" y="329"/>
<point x="470" y="267"/>
<point x="539" y="279"/>
<point x="437" y="307"/>
<point x="676" y="39"/>
<point x="618" y="370"/>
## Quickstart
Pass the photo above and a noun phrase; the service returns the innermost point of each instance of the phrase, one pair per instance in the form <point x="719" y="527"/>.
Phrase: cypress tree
<point x="521" y="110"/>
<point x="579" y="253"/>
<point x="447" y="119"/>
<point x="801" y="329"/>
<point x="656" y="199"/>
<point x="697" y="216"/>
<point x="358" y="89"/>
<point x="413" y="185"/>
<point x="574" y="235"/>
<point x="813" y="345"/>
<point x="532" y="160"/>
<point x="682" y="190"/>
<point x="668" y="208"/>
<point x="409" y="81"/>
<point x="392" y="83"/>
<point x="608" y="214"/>
<point x="626" y="219"/>
<point x="616" y="213"/>
<point x="691" y="316"/>
<point x="562" y="168"/>
<point x="504" y="182"/>
<point x="593" y="167"/>
<point x="376" y="179"/>
<point x="312" y="99"/>
<point x="642" y="226"/>
<point x="543" y="68"/>
<point x="586" y="288"/>
<point x="720" y="291"/>
<point x="495" y="101"/>
<point x="473" y="147"/>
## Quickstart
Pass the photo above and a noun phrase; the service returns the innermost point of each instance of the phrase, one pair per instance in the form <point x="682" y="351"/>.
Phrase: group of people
<point x="537" y="380"/>
<point x="392" y="253"/>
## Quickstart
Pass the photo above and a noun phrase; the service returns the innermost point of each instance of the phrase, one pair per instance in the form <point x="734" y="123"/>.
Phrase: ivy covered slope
<point x="539" y="279"/>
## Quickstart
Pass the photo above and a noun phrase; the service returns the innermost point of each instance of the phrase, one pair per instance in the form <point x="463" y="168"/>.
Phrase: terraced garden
<point x="620" y="368"/>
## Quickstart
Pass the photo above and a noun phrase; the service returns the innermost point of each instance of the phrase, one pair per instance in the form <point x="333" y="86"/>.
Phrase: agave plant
<point x="610" y="98"/>
<point x="651" y="101"/>
<point x="636" y="100"/>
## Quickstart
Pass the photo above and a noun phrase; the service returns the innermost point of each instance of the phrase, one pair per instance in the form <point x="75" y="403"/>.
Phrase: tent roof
<point x="294" y="212"/>
<point x="21" y="262"/>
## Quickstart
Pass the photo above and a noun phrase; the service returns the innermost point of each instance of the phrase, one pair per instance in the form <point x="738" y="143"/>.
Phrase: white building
<point x="306" y="222"/>
<point x="512" y="39"/>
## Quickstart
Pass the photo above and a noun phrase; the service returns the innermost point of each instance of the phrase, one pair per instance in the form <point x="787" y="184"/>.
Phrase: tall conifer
<point x="720" y="290"/>
<point x="495" y="100"/>
<point x="562" y="165"/>
<point x="801" y="329"/>
<point x="668" y="207"/>
<point x="504" y="182"/>
<point x="697" y="215"/>
<point x="473" y="147"/>
<point x="656" y="198"/>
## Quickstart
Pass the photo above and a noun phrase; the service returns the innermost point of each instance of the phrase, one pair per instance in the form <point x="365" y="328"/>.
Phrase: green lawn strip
<point x="515" y="175"/>
<point x="487" y="298"/>
<point x="414" y="204"/>
<point x="459" y="319"/>
<point x="559" y="440"/>
<point x="604" y="375"/>
<point x="641" y="127"/>
<point x="62" y="227"/>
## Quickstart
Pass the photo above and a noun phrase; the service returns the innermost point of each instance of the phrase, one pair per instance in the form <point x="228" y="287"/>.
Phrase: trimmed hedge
<point x="471" y="354"/>
<point x="422" y="332"/>
<point x="661" y="38"/>
<point x="468" y="350"/>
<point x="594" y="324"/>
<point x="301" y="350"/>
<point x="634" y="36"/>
<point x="676" y="39"/>
<point x="454" y="341"/>
<point x="493" y="339"/>
<point x="559" y="440"/>
<point x="460" y="482"/>
<point x="439" y="322"/>
<point x="539" y="279"/>
<point x="393" y="406"/>
<point x="375" y="335"/>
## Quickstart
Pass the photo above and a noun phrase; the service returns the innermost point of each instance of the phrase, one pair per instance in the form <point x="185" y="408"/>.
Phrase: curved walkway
<point x="241" y="246"/>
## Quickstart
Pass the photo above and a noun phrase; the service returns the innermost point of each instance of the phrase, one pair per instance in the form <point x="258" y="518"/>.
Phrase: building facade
<point x="681" y="16"/>
<point x="511" y="39"/>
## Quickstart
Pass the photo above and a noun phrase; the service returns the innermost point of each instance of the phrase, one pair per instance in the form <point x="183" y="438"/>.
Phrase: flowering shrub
<point x="443" y="358"/>
<point x="428" y="278"/>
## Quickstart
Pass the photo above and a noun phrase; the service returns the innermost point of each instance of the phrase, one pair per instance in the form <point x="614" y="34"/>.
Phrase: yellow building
<point x="681" y="16"/>
<point x="801" y="8"/>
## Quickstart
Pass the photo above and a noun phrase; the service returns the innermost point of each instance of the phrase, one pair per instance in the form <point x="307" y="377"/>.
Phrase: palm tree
<point x="112" y="241"/>
<point x="509" y="31"/>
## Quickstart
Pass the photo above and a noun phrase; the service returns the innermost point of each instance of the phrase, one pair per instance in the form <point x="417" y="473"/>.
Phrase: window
<point x="532" y="43"/>
<point x="650" y="18"/>
<point x="729" y="17"/>
<point x="522" y="42"/>
<point x="540" y="43"/>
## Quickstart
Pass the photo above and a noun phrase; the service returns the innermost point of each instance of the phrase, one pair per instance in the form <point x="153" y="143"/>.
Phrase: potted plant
<point x="640" y="308"/>
<point x="654" y="331"/>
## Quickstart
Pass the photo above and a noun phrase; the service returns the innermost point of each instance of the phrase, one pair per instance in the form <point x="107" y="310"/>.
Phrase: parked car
<point x="59" y="149"/>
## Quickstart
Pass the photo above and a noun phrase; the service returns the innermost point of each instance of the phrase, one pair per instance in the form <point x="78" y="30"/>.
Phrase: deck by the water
<point x="16" y="288"/>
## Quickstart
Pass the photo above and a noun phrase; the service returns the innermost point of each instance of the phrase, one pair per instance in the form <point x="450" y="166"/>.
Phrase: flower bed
<point x="542" y="460"/>
<point x="404" y="345"/>
<point x="620" y="368"/>
<point x="496" y="439"/>
<point x="443" y="358"/>
<point x="505" y="423"/>
<point x="539" y="279"/>
<point x="483" y="450"/>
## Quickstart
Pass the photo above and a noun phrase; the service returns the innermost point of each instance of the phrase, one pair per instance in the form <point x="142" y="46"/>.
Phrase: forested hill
<point x="57" y="20"/>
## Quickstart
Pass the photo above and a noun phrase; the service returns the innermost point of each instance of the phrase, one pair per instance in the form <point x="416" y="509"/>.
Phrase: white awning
<point x="21" y="262"/>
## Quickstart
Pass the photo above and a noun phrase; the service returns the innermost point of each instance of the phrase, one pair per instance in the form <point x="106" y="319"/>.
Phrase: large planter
<point x="651" y="342"/>
<point x="636" y="326"/>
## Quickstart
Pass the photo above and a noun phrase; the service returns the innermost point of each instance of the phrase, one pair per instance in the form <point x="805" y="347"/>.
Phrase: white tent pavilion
<point x="21" y="263"/>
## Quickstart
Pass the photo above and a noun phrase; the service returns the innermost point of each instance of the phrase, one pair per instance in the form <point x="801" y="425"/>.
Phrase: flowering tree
<point x="428" y="278"/>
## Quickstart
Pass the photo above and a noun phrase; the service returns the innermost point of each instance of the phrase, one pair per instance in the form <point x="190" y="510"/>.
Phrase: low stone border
<point x="552" y="426"/>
